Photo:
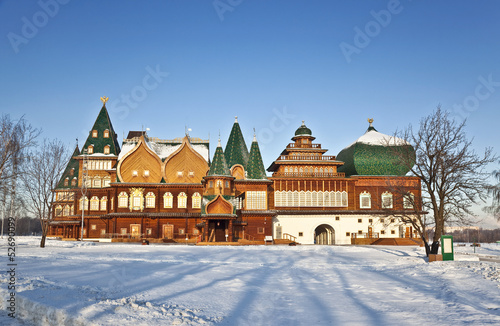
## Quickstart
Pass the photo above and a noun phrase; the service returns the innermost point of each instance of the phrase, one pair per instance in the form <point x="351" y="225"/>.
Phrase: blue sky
<point x="166" y="65"/>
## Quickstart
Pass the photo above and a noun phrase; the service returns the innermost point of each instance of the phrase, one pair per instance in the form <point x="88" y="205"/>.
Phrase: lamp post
<point x="84" y="186"/>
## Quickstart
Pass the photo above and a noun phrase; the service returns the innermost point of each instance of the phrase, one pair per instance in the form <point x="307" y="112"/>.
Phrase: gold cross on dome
<point x="104" y="99"/>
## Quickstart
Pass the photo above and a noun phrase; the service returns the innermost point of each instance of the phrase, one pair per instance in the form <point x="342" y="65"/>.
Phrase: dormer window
<point x="66" y="182"/>
<point x="179" y="174"/>
<point x="106" y="133"/>
<point x="135" y="173"/>
<point x="90" y="149"/>
<point x="106" y="149"/>
<point x="146" y="173"/>
<point x="94" y="133"/>
<point x="73" y="182"/>
<point x="72" y="171"/>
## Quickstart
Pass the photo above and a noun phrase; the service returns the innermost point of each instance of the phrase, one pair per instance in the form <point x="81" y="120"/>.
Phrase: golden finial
<point x="104" y="99"/>
<point x="370" y="121"/>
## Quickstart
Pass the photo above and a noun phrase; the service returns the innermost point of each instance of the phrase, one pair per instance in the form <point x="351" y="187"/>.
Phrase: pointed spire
<point x="101" y="125"/>
<point x="236" y="151"/>
<point x="218" y="166"/>
<point x="255" y="167"/>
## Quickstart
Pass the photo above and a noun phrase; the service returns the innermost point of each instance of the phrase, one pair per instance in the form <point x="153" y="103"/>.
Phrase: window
<point x="360" y="220"/>
<point x="97" y="182"/>
<point x="348" y="234"/>
<point x="135" y="173"/>
<point x="167" y="200"/>
<point x="344" y="199"/>
<point x="149" y="231"/>
<point x="136" y="201"/>
<point x="360" y="231"/>
<point x="94" y="133"/>
<point x="227" y="184"/>
<point x="382" y="232"/>
<point x="277" y="198"/>
<point x="66" y="210"/>
<point x="58" y="210"/>
<point x="191" y="174"/>
<point x="365" y="200"/>
<point x="408" y="200"/>
<point x="66" y="182"/>
<point x="145" y="173"/>
<point x="370" y="220"/>
<point x="103" y="231"/>
<point x="93" y="227"/>
<point x="123" y="200"/>
<point x="180" y="174"/>
<point x="393" y="232"/>
<point x="85" y="202"/>
<point x="112" y="203"/>
<point x="386" y="200"/>
<point x="182" y="200"/>
<point x="106" y="149"/>
<point x="73" y="182"/>
<point x="150" y="200"/>
<point x="104" y="203"/>
<point x="181" y="231"/>
<point x="90" y="149"/>
<point x="196" y="231"/>
<point x="382" y="220"/>
<point x="106" y="133"/>
<point x="72" y="172"/>
<point x="337" y="218"/>
<point x="196" y="200"/>
<point x="301" y="234"/>
<point x="210" y="184"/>
<point x="260" y="230"/>
<point x="94" y="203"/>
<point x="123" y="231"/>
<point x="256" y="200"/>
<point x="106" y="182"/>
<point x="392" y="220"/>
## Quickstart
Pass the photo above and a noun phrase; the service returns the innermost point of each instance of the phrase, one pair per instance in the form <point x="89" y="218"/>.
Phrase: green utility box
<point x="447" y="247"/>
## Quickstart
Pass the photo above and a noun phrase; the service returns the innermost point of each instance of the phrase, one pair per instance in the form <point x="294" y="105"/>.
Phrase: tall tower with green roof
<point x="70" y="173"/>
<point x="102" y="138"/>
<point x="236" y="151"/>
<point x="255" y="167"/>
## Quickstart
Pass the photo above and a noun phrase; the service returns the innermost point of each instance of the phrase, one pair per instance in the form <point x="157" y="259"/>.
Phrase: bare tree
<point x="15" y="137"/>
<point x="494" y="191"/>
<point x="40" y="176"/>
<point x="453" y="175"/>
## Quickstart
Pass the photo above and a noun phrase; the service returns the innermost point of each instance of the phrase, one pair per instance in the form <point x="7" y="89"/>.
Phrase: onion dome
<point x="375" y="153"/>
<point x="303" y="130"/>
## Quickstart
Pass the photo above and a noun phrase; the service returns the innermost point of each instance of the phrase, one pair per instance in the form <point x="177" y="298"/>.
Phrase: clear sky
<point x="166" y="65"/>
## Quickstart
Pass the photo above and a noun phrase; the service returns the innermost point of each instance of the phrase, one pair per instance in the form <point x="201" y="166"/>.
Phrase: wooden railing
<point x="288" y="236"/>
<point x="294" y="145"/>
<point x="309" y="174"/>
<point x="306" y="157"/>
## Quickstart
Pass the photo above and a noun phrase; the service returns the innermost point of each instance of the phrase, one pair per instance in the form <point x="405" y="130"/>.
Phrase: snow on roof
<point x="162" y="149"/>
<point x="373" y="137"/>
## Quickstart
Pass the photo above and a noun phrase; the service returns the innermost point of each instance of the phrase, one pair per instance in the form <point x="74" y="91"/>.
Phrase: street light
<point x="84" y="186"/>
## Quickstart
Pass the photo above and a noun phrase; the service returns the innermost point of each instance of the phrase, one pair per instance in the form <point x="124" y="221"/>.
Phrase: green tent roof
<point x="219" y="166"/>
<point x="101" y="124"/>
<point x="73" y="164"/>
<point x="255" y="167"/>
<point x="236" y="151"/>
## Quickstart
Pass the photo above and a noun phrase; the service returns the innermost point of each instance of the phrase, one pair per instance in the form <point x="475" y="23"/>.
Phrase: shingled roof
<point x="236" y="151"/>
<point x="101" y="124"/>
<point x="72" y="165"/>
<point x="255" y="167"/>
<point x="219" y="166"/>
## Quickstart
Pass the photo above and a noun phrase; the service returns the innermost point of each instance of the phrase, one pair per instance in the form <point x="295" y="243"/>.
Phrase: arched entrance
<point x="324" y="235"/>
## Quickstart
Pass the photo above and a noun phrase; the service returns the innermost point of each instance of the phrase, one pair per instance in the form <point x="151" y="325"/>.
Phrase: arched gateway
<point x="324" y="235"/>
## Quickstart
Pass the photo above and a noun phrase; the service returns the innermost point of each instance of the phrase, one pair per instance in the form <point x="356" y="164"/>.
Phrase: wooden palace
<point x="172" y="191"/>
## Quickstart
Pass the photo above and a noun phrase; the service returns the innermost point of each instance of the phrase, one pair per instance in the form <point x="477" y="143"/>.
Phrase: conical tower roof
<point x="219" y="166"/>
<point x="236" y="151"/>
<point x="68" y="173"/>
<point x="255" y="167"/>
<point x="102" y="123"/>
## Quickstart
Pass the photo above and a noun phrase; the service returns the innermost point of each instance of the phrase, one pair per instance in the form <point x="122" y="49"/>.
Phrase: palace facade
<point x="173" y="191"/>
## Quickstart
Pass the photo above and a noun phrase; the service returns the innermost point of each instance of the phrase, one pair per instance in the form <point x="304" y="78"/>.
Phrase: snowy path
<point x="107" y="284"/>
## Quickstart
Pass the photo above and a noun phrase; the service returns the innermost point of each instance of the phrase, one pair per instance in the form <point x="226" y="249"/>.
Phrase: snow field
<point x="73" y="283"/>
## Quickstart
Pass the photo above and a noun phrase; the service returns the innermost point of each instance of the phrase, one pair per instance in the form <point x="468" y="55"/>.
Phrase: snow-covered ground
<point x="74" y="283"/>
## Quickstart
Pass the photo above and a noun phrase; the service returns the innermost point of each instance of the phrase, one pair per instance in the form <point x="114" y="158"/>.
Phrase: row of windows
<point x="256" y="199"/>
<point x="99" y="164"/>
<point x="365" y="200"/>
<point x="105" y="133"/>
<point x="64" y="195"/>
<point x="137" y="200"/>
<point x="311" y="198"/>
<point x="95" y="203"/>
<point x="65" y="211"/>
<point x="90" y="149"/>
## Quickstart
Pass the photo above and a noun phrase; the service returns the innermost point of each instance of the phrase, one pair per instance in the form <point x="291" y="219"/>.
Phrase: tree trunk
<point x="435" y="247"/>
<point x="427" y="247"/>
<point x="45" y="228"/>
